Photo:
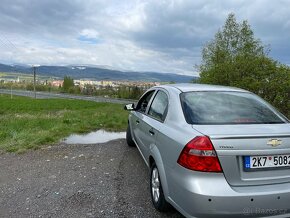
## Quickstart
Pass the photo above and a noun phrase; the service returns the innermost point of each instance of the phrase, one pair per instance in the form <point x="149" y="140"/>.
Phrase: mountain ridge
<point x="97" y="73"/>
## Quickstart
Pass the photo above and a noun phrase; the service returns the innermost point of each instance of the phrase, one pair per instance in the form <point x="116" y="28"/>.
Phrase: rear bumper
<point x="197" y="194"/>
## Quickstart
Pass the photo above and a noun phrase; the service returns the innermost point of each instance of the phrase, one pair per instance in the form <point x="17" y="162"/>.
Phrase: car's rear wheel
<point x="156" y="190"/>
<point x="129" y="139"/>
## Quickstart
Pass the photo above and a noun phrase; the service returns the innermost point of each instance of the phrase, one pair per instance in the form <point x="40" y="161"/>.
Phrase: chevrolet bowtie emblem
<point x="274" y="142"/>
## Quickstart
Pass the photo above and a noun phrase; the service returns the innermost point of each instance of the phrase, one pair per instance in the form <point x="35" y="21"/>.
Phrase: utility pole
<point x="34" y="66"/>
<point x="11" y="92"/>
<point x="34" y="80"/>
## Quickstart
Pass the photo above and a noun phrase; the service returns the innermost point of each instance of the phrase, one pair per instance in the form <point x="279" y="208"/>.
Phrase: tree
<point x="135" y="92"/>
<point x="68" y="83"/>
<point x="236" y="58"/>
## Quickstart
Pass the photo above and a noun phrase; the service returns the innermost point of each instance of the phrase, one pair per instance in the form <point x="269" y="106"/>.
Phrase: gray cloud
<point x="190" y="24"/>
<point x="178" y="25"/>
<point x="165" y="35"/>
<point x="40" y="17"/>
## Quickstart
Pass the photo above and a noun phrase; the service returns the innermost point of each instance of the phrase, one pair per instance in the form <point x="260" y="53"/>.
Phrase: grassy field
<point x="24" y="76"/>
<point x="27" y="123"/>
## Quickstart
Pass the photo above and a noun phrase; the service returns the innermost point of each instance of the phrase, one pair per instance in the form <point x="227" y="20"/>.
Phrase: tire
<point x="157" y="195"/>
<point x="129" y="139"/>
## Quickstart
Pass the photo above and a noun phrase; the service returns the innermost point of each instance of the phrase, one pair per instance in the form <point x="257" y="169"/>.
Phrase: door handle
<point x="151" y="132"/>
<point x="137" y="121"/>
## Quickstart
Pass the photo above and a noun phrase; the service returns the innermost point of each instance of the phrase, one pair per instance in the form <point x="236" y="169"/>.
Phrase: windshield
<point x="227" y="108"/>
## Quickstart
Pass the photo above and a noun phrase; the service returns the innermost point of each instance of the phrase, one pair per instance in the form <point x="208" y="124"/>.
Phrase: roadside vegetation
<point x="125" y="92"/>
<point x="27" y="123"/>
<point x="236" y="58"/>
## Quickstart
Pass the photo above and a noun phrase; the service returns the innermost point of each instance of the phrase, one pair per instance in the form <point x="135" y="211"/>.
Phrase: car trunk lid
<point x="234" y="143"/>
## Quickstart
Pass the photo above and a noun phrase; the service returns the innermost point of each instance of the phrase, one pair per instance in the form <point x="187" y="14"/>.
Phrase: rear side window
<point x="159" y="106"/>
<point x="227" y="108"/>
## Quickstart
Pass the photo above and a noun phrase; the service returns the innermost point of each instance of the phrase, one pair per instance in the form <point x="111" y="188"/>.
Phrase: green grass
<point x="27" y="123"/>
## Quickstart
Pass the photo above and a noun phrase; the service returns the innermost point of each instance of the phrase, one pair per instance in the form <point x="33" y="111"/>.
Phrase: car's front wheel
<point x="157" y="194"/>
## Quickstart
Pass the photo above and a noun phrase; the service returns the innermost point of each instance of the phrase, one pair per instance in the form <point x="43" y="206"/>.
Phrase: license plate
<point x="256" y="162"/>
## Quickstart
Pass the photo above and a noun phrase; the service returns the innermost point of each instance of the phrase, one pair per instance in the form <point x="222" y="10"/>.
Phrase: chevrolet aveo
<point x="213" y="151"/>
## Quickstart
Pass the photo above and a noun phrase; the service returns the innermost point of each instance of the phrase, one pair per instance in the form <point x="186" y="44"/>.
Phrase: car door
<point x="138" y="122"/>
<point x="154" y="120"/>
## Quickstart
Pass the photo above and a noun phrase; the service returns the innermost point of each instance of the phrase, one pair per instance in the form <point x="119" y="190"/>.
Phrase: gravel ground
<point x="97" y="180"/>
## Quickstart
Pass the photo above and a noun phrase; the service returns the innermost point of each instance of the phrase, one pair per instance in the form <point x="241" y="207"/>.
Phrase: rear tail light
<point x="199" y="155"/>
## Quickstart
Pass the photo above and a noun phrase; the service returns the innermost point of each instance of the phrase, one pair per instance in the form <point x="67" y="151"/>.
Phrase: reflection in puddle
<point x="99" y="136"/>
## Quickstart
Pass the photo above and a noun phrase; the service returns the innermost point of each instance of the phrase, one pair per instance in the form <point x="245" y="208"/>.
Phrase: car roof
<point x="188" y="87"/>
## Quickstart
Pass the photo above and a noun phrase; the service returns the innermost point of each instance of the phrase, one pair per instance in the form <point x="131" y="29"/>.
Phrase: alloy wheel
<point x="155" y="185"/>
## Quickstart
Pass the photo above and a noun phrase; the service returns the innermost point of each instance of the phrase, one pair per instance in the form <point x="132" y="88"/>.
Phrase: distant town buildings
<point x="56" y="83"/>
<point x="113" y="84"/>
<point x="82" y="83"/>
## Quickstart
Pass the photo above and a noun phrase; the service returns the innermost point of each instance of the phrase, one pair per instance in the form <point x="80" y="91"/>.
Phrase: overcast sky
<point x="153" y="35"/>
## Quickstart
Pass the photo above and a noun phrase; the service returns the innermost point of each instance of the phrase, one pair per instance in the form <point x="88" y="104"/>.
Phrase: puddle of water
<point x="99" y="136"/>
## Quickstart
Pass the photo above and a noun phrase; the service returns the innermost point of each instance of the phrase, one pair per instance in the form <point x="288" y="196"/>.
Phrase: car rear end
<point x="239" y="164"/>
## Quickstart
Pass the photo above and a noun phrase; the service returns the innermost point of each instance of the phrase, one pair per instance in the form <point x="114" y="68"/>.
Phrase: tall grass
<point x="27" y="123"/>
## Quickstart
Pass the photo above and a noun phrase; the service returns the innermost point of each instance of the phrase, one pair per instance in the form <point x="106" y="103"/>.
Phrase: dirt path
<point x="98" y="180"/>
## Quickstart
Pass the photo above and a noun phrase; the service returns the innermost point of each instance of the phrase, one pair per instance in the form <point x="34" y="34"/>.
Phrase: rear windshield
<point x="227" y="108"/>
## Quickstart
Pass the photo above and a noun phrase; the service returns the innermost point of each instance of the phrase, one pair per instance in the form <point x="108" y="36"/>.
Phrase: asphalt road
<point x="96" y="180"/>
<point x="41" y="95"/>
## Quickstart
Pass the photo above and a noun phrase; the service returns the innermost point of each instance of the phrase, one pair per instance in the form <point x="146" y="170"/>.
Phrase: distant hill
<point x="97" y="73"/>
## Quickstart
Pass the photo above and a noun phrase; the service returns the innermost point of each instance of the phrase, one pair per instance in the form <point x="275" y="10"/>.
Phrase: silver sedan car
<point x="213" y="151"/>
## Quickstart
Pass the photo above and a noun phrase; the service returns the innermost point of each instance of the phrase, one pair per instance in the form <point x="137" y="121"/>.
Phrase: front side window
<point x="227" y="108"/>
<point x="159" y="106"/>
<point x="143" y="102"/>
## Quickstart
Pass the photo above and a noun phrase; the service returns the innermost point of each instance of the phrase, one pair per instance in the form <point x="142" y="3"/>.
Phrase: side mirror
<point x="129" y="107"/>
